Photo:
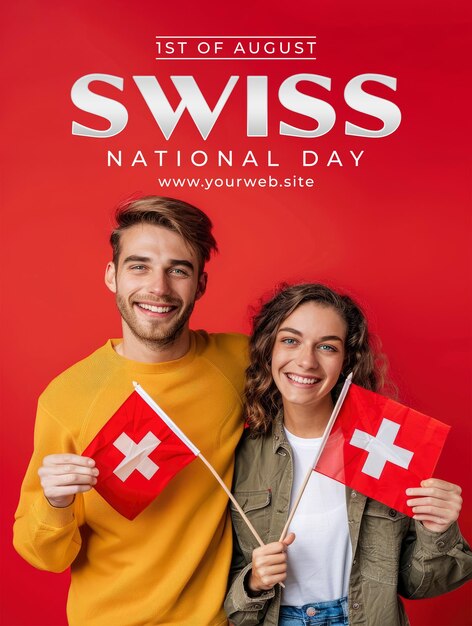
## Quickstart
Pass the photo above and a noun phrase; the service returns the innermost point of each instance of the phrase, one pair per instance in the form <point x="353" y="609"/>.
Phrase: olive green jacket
<point x="392" y="554"/>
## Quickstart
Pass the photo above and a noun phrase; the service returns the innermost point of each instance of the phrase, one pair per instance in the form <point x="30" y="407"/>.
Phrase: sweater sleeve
<point x="45" y="536"/>
<point x="433" y="563"/>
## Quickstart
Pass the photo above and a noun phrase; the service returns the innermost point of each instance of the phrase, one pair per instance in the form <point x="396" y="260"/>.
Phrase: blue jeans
<point x="332" y="613"/>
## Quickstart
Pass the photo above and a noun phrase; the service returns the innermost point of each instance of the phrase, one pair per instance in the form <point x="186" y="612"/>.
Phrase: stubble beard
<point x="154" y="336"/>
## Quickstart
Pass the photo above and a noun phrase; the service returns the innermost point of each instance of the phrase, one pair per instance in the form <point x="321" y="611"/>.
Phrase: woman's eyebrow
<point x="287" y="329"/>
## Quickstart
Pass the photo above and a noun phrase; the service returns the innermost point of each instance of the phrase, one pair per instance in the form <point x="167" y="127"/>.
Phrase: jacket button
<point x="355" y="605"/>
<point x="354" y="561"/>
<point x="392" y="513"/>
<point x="440" y="544"/>
<point x="353" y="494"/>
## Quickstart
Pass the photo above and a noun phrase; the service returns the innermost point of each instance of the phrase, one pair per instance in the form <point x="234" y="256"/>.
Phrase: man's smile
<point x="156" y="308"/>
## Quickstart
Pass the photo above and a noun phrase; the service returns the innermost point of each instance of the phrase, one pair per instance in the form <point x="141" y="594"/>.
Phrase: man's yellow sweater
<point x="170" y="564"/>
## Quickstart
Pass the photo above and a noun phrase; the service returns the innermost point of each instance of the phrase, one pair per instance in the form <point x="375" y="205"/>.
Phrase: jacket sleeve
<point x="433" y="563"/>
<point x="45" y="536"/>
<point x="242" y="610"/>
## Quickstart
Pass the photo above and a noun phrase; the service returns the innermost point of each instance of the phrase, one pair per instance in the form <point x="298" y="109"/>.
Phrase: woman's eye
<point x="327" y="348"/>
<point x="289" y="341"/>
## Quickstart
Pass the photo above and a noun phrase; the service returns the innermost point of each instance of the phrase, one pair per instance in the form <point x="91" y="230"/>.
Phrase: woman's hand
<point x="269" y="565"/>
<point x="436" y="504"/>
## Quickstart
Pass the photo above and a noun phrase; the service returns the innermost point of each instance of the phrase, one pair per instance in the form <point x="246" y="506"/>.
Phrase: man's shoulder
<point x="83" y="376"/>
<point x="228" y="352"/>
<point x="221" y="347"/>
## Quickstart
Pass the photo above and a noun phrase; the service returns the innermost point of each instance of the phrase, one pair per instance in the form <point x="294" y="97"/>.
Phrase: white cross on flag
<point x="380" y="447"/>
<point x="138" y="451"/>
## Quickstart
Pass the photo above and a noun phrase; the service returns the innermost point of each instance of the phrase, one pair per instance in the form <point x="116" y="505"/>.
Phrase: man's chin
<point x="160" y="335"/>
<point x="157" y="343"/>
<point x="159" y="338"/>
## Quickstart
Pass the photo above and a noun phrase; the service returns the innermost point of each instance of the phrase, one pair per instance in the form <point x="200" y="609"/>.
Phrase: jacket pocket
<point x="380" y="541"/>
<point x="256" y="506"/>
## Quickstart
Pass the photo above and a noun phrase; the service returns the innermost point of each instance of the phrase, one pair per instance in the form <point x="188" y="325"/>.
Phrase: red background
<point x="393" y="232"/>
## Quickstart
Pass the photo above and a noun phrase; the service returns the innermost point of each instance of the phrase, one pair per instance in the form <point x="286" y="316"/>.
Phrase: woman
<point x="346" y="557"/>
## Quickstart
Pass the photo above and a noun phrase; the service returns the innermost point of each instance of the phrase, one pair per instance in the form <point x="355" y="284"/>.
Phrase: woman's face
<point x="308" y="355"/>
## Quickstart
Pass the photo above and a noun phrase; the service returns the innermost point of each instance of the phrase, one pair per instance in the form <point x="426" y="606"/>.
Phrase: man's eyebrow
<point x="183" y="262"/>
<point x="294" y="331"/>
<point x="135" y="258"/>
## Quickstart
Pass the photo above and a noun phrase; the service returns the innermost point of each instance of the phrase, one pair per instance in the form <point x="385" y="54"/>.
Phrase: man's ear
<point x="110" y="277"/>
<point x="202" y="284"/>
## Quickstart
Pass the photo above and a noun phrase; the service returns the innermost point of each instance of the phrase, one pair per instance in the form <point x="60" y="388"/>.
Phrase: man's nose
<point x="159" y="283"/>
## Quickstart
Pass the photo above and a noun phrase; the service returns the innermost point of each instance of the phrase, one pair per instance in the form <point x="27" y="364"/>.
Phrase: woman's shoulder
<point x="254" y="456"/>
<point x="251" y="442"/>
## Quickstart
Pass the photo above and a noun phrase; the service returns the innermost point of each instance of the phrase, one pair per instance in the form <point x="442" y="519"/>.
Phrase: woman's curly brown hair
<point x="263" y="399"/>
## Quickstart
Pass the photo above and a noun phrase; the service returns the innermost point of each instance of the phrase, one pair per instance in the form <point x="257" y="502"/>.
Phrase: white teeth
<point x="302" y="380"/>
<point x="155" y="309"/>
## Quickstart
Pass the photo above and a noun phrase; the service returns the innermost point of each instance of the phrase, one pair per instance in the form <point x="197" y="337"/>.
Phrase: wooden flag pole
<point x="153" y="404"/>
<point x="232" y="498"/>
<point x="234" y="501"/>
<point x="329" y="426"/>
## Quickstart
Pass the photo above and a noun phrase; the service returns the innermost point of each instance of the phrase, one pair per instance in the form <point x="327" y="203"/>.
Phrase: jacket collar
<point x="279" y="440"/>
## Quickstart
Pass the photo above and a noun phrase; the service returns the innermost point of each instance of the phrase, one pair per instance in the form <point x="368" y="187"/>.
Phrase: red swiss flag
<point x="137" y="454"/>
<point x="380" y="447"/>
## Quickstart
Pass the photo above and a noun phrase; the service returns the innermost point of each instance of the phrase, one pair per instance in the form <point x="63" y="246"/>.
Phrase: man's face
<point x="156" y="282"/>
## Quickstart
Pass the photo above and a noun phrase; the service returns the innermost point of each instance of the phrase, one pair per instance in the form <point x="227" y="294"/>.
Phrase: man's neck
<point x="151" y="352"/>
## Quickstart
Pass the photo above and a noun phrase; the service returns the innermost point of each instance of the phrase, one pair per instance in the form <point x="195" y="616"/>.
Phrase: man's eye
<point x="138" y="267"/>
<point x="178" y="271"/>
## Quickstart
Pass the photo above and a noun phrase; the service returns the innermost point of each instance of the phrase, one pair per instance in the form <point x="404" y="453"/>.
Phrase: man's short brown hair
<point x="192" y="224"/>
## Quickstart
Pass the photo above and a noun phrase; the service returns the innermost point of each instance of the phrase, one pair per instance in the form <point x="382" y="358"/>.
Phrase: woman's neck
<point x="308" y="422"/>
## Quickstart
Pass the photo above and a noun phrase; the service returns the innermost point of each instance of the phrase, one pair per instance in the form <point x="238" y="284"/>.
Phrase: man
<point x="169" y="565"/>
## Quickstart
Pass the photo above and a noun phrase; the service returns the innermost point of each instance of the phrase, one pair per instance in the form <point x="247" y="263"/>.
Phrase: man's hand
<point x="269" y="565"/>
<point x="64" y="475"/>
<point x="437" y="503"/>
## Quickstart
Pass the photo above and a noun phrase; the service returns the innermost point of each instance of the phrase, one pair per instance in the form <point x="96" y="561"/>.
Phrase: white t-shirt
<point x="319" y="560"/>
